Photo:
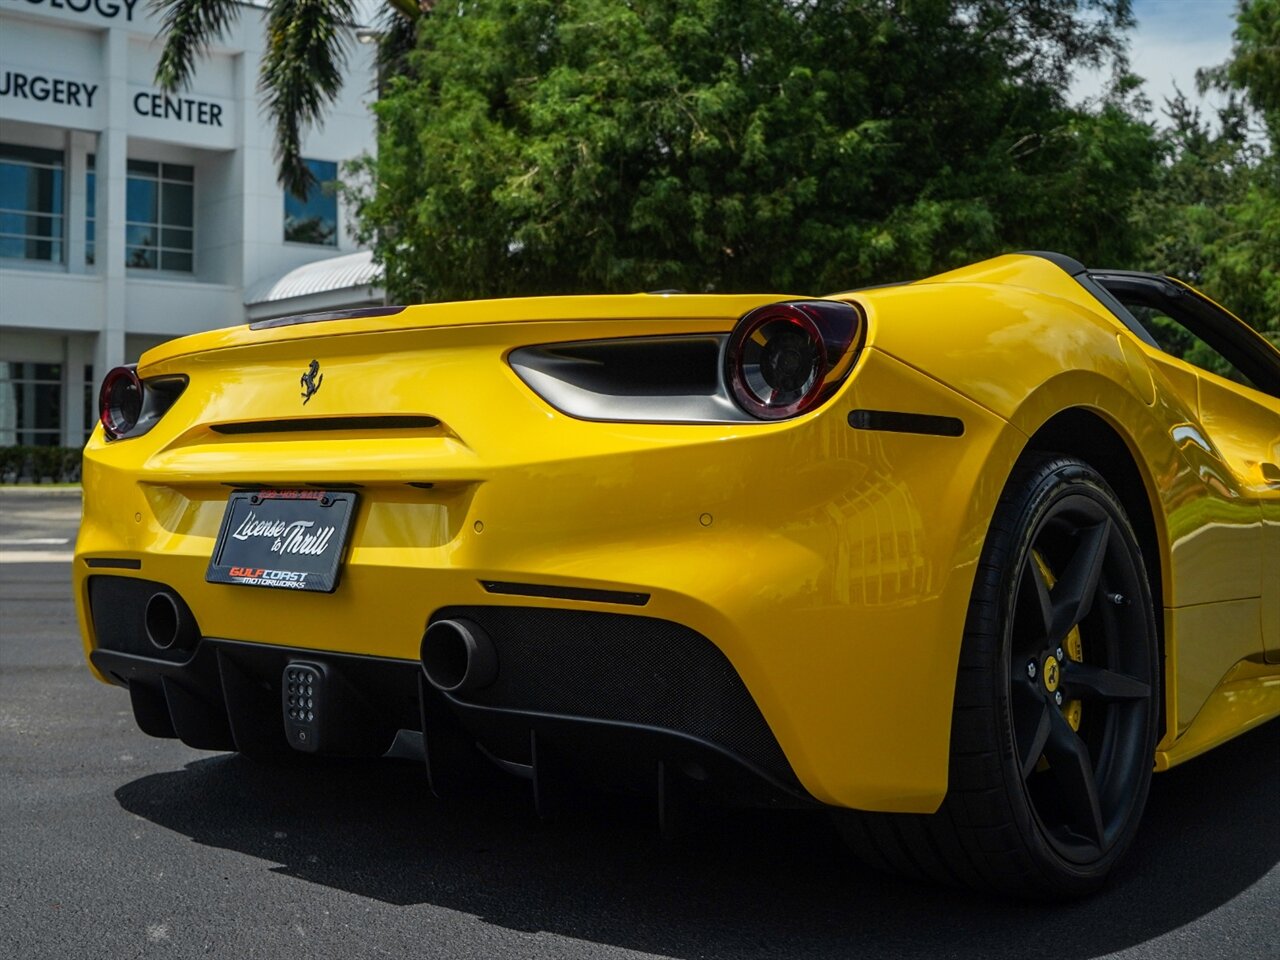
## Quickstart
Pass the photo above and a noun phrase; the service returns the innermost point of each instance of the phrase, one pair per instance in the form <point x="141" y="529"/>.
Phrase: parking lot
<point x="115" y="844"/>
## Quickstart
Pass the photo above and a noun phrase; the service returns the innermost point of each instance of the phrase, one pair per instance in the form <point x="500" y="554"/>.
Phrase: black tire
<point x="1045" y="794"/>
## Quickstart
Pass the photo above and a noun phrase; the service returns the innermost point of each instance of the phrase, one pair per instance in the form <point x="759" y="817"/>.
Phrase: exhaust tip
<point x="162" y="620"/>
<point x="458" y="657"/>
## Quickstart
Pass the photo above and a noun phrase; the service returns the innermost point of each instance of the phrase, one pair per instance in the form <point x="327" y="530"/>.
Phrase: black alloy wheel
<point x="1057" y="701"/>
<point x="1080" y="691"/>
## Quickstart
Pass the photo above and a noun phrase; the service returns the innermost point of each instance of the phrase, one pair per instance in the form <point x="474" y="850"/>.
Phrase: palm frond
<point x="410" y="9"/>
<point x="397" y="37"/>
<point x="188" y="27"/>
<point x="301" y="74"/>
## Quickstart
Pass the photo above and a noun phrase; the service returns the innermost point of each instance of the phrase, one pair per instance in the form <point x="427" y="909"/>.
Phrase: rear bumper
<point x="666" y="697"/>
<point x="830" y="567"/>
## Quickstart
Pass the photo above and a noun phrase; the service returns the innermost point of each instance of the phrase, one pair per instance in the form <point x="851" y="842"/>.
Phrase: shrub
<point x="28" y="464"/>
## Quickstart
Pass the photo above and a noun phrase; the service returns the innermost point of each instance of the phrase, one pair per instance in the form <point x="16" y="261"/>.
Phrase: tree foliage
<point x="1213" y="216"/>
<point x="302" y="68"/>
<point x="536" y="146"/>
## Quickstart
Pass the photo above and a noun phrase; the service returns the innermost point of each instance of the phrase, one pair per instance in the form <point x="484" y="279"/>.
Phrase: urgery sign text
<point x="31" y="86"/>
<point x="110" y="9"/>
<point x="164" y="107"/>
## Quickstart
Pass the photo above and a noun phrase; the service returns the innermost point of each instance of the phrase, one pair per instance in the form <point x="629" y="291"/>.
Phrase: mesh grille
<point x="624" y="668"/>
<point x="117" y="606"/>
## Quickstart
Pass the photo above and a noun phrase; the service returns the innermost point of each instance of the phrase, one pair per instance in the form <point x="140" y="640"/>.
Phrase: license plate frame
<point x="283" y="539"/>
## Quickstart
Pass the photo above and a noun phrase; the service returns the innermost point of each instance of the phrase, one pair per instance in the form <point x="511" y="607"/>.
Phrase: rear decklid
<point x="416" y="394"/>
<point x="691" y="311"/>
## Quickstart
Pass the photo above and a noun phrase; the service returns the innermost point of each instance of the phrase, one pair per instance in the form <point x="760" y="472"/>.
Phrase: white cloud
<point x="1173" y="39"/>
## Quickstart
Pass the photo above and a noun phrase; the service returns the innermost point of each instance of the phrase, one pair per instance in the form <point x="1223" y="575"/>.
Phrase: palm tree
<point x="302" y="69"/>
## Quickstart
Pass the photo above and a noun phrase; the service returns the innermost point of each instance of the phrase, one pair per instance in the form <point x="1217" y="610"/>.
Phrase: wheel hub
<point x="1073" y="710"/>
<point x="1051" y="673"/>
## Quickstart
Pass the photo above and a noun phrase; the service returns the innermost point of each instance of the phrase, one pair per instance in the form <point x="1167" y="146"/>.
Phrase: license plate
<point x="287" y="539"/>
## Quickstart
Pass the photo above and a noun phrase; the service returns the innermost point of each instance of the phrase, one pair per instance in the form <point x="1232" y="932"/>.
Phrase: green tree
<point x="535" y="146"/>
<point x="1206" y="169"/>
<point x="301" y="72"/>
<point x="1254" y="67"/>
<point x="1247" y="259"/>
<point x="1213" y="216"/>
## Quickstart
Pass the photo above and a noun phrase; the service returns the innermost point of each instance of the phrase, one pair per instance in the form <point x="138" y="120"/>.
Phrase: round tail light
<point x="120" y="402"/>
<point x="785" y="359"/>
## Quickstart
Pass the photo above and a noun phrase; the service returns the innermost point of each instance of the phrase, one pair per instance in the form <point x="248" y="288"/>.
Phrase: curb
<point x="38" y="490"/>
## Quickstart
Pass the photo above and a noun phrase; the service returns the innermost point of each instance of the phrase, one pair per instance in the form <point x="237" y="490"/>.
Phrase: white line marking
<point x="36" y="556"/>
<point x="33" y="541"/>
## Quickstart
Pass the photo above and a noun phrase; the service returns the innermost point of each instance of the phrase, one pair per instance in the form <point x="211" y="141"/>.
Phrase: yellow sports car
<point x="964" y="559"/>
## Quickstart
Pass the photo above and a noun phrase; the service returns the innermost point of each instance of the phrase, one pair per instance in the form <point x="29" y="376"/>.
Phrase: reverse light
<point x="785" y="359"/>
<point x="129" y="407"/>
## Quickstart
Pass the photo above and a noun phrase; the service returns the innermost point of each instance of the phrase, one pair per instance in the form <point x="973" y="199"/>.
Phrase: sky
<point x="1172" y="40"/>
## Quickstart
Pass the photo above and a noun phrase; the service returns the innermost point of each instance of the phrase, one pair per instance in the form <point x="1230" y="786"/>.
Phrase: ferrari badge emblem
<point x="311" y="382"/>
<point x="1051" y="674"/>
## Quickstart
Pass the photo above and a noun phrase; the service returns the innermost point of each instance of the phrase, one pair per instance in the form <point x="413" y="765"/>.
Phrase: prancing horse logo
<point x="1052" y="674"/>
<point x="310" y="383"/>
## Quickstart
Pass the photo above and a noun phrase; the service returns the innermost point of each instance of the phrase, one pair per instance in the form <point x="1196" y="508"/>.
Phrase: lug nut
<point x="1031" y="669"/>
<point x="1057" y="697"/>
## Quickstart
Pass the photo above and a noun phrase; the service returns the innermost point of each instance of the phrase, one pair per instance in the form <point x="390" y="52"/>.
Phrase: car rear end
<point x="672" y="586"/>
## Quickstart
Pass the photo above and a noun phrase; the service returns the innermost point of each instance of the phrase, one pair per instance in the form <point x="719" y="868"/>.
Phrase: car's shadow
<point x="746" y="884"/>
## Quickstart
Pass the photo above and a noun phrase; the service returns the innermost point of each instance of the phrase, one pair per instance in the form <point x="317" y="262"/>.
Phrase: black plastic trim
<point x="228" y="694"/>
<point x="1251" y="353"/>
<point x="306" y="424"/>
<point x="113" y="563"/>
<point x="594" y="734"/>
<point x="897" y="422"/>
<point x="355" y="314"/>
<point x="584" y="594"/>
<point x="1121" y="312"/>
<point x="1069" y="264"/>
<point x="124" y="665"/>
<point x="117" y="612"/>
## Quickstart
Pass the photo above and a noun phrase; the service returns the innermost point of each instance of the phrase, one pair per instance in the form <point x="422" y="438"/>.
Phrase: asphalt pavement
<point x="116" y="845"/>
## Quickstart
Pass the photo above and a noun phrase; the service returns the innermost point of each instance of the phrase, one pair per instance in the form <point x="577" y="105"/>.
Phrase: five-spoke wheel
<point x="1057" y="700"/>
<point x="1080" y="674"/>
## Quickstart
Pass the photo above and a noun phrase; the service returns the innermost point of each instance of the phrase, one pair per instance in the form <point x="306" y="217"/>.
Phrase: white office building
<point x="129" y="216"/>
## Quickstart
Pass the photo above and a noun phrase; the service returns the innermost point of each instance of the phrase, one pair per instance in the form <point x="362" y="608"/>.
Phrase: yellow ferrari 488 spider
<point x="964" y="560"/>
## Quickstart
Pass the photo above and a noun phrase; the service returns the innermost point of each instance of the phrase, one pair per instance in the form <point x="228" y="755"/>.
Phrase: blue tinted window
<point x="314" y="220"/>
<point x="142" y="203"/>
<point x="160" y="213"/>
<point x="31" y="198"/>
<point x="90" y="208"/>
<point x="31" y="396"/>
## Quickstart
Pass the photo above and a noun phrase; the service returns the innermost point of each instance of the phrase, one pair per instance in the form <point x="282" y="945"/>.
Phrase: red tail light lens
<point x="120" y="402"/>
<point x="785" y="359"/>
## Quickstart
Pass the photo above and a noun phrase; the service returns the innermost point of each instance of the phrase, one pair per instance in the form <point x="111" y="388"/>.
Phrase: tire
<point x="1045" y="795"/>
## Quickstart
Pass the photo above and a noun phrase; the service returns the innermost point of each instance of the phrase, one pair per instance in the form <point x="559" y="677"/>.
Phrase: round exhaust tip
<point x="162" y="620"/>
<point x="458" y="657"/>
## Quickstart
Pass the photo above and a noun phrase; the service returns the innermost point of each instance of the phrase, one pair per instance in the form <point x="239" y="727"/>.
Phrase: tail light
<point x="785" y="359"/>
<point x="120" y="401"/>
<point x="128" y="407"/>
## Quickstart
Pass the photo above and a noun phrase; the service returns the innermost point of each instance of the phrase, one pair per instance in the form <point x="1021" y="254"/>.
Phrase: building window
<point x="91" y="209"/>
<point x="314" y="220"/>
<point x="159" y="215"/>
<point x="30" y="404"/>
<point x="31" y="203"/>
<point x="90" y="401"/>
